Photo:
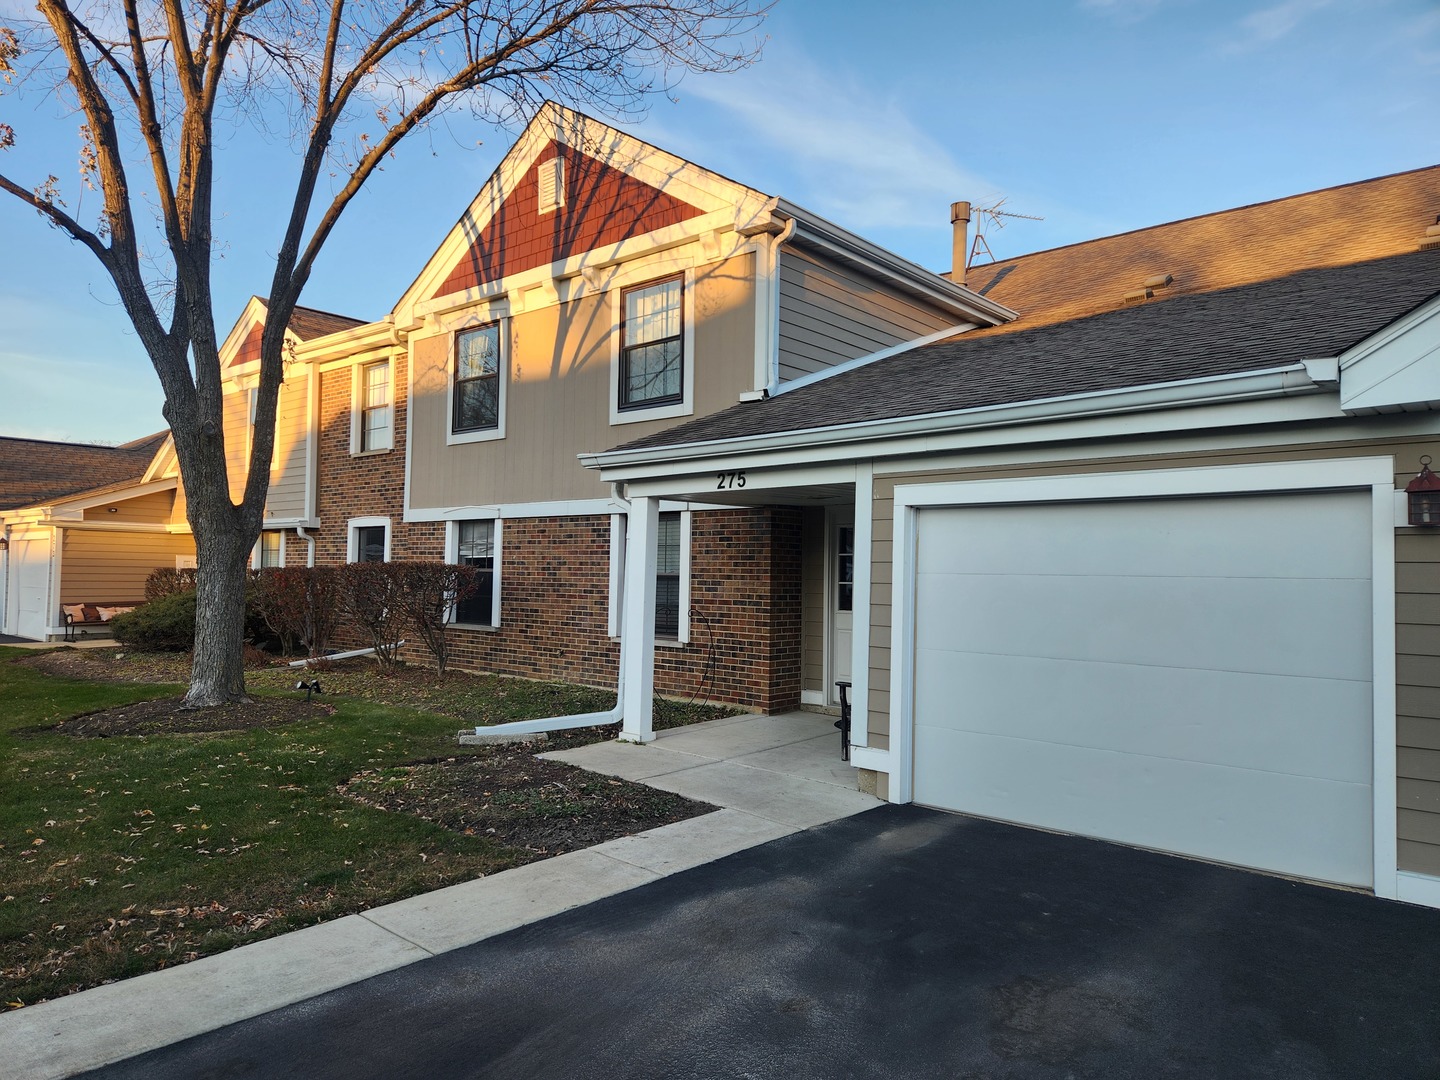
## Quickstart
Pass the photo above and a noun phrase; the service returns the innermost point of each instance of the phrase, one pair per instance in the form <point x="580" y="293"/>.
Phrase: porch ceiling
<point x="805" y="495"/>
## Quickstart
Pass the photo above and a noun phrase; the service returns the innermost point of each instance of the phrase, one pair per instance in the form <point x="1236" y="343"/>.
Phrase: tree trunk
<point x="217" y="675"/>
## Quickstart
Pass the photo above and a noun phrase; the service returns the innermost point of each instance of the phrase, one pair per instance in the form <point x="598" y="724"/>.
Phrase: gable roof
<point x="242" y="345"/>
<point x="1351" y="223"/>
<point x="35" y="471"/>
<point x="1307" y="315"/>
<point x="308" y="323"/>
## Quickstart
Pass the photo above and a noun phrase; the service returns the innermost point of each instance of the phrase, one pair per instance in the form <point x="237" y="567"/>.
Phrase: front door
<point x="31" y="581"/>
<point x="842" y="599"/>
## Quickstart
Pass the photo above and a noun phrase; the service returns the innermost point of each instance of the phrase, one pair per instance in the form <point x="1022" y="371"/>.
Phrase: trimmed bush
<point x="167" y="582"/>
<point x="166" y="624"/>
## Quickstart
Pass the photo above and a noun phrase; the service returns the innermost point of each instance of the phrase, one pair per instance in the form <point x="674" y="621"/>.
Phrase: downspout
<point x="581" y="720"/>
<point x="773" y="276"/>
<point x="300" y="532"/>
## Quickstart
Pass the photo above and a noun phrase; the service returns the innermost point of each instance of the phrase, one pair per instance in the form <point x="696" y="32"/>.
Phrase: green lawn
<point x="121" y="855"/>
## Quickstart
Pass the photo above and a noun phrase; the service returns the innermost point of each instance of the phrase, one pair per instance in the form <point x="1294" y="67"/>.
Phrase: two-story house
<point x="597" y="290"/>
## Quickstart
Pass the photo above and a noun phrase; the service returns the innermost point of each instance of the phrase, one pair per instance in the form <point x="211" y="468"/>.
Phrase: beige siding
<point x="830" y="313"/>
<point x="1417" y="601"/>
<point x="558" y="396"/>
<point x="112" y="566"/>
<point x="812" y="601"/>
<point x="287" y="473"/>
<point x="149" y="509"/>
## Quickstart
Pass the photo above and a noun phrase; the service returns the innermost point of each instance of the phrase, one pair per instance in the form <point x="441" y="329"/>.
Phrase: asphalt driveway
<point x="898" y="943"/>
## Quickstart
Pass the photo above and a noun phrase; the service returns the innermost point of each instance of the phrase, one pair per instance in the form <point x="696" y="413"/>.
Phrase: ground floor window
<point x="270" y="550"/>
<point x="475" y="546"/>
<point x="667" y="578"/>
<point x="369" y="540"/>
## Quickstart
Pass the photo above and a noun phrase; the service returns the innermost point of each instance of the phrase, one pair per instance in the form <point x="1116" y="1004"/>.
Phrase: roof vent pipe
<point x="960" y="240"/>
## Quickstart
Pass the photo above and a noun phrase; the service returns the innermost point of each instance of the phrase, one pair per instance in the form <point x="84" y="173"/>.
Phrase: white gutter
<point x="580" y="720"/>
<point x="300" y="532"/>
<point x="772" y="336"/>
<point x="1305" y="377"/>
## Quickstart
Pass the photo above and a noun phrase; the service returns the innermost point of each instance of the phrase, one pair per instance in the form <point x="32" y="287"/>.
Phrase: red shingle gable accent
<point x="250" y="347"/>
<point x="602" y="206"/>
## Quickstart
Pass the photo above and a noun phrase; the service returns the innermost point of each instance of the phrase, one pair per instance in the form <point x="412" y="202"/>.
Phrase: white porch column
<point x="637" y="620"/>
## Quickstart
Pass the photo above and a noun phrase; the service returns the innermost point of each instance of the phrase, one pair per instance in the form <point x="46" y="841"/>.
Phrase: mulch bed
<point x="506" y="793"/>
<point x="167" y="716"/>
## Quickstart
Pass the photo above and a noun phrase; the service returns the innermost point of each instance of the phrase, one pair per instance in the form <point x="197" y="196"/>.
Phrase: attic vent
<point x="552" y="184"/>
<point x="1432" y="236"/>
<point x="1148" y="287"/>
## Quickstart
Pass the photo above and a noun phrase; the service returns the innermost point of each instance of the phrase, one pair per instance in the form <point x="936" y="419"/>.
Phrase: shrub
<point x="297" y="604"/>
<point x="429" y="590"/>
<point x="371" y="596"/>
<point x="166" y="624"/>
<point x="164" y="581"/>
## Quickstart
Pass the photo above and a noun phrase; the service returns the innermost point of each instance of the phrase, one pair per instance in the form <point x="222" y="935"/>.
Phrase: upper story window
<point x="652" y="344"/>
<point x="373" y="407"/>
<point x="476" y="405"/>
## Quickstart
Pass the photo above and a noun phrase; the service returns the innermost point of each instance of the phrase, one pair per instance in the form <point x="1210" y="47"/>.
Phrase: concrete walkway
<point x="772" y="775"/>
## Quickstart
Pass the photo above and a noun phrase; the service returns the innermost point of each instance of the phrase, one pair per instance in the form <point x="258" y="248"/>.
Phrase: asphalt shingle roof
<point x="1306" y="315"/>
<point x="35" y="471"/>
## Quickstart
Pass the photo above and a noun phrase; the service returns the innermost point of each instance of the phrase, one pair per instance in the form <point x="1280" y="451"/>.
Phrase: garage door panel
<point x="1300" y="726"/>
<point x="1184" y="674"/>
<point x="1314" y="828"/>
<point x="1172" y="621"/>
<point x="1291" y="535"/>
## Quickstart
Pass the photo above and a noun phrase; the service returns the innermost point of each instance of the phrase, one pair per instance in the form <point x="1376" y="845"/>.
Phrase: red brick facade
<point x="555" y="578"/>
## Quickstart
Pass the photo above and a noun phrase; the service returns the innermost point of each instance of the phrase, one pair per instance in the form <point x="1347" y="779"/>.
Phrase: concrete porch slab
<point x="814" y="759"/>
<point x="790" y="800"/>
<point x="749" y="735"/>
<point x="628" y="761"/>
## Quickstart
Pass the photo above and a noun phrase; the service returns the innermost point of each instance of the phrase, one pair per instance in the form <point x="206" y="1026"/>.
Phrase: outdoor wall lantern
<point x="1423" y="495"/>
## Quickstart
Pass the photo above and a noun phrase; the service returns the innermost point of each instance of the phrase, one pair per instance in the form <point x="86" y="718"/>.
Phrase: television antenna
<point x="985" y="217"/>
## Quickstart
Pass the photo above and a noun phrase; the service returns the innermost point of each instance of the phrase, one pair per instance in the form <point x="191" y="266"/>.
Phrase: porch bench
<point x="79" y="618"/>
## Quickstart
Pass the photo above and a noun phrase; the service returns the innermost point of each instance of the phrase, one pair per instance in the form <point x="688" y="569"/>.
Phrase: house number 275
<point x="729" y="480"/>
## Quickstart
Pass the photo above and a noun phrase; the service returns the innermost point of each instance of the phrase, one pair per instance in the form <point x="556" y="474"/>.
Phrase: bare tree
<point x="150" y="79"/>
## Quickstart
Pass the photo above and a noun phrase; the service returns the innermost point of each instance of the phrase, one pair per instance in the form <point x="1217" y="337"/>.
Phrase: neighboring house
<point x="1136" y="565"/>
<point x="84" y="525"/>
<point x="597" y="289"/>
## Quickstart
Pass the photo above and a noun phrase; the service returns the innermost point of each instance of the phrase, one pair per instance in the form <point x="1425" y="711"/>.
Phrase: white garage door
<point x="1191" y="675"/>
<point x="32" y="587"/>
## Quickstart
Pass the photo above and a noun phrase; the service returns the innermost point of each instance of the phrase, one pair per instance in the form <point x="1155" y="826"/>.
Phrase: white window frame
<point x="357" y="411"/>
<point x="502" y="375"/>
<point x="639" y="278"/>
<point x="617" y="576"/>
<point x="452" y="555"/>
<point x="352" y="537"/>
<point x="255" y="551"/>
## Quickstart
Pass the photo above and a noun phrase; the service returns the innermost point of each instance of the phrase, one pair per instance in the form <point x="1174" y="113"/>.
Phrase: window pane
<point x="477" y="549"/>
<point x="477" y="352"/>
<point x="270" y="549"/>
<point x="370" y="543"/>
<point x="653" y="312"/>
<point x="667" y="576"/>
<point x="653" y="372"/>
<point x="477" y="404"/>
<point x="377" y="385"/>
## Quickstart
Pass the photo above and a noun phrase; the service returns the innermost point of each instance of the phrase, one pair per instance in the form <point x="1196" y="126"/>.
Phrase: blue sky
<point x="1098" y="115"/>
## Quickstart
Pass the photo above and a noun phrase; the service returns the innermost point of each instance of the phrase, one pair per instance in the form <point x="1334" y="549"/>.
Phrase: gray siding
<point x="830" y="313"/>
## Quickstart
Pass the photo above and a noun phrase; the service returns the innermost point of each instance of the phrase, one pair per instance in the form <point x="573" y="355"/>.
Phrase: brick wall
<point x="555" y="578"/>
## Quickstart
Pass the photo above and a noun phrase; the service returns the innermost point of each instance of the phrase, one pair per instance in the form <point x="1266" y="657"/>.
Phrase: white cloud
<point x="1272" y="24"/>
<point x="859" y="156"/>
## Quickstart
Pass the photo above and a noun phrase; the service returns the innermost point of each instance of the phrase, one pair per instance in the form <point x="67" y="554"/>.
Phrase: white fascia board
<point x="870" y="358"/>
<point x="164" y="458"/>
<point x="1287" y="381"/>
<point x="1397" y="367"/>
<point x="81" y="525"/>
<point x="886" y="264"/>
<point x="253" y="312"/>
<point x="798" y="475"/>
<point x="82" y="502"/>
<point x="343" y="344"/>
<point x="556" y="508"/>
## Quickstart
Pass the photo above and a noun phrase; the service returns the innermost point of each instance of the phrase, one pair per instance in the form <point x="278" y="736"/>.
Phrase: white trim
<point x="1280" y="382"/>
<point x="452" y="555"/>
<point x="870" y="358"/>
<point x="870" y="757"/>
<point x="502" y="375"/>
<point x="1415" y="888"/>
<point x="682" y="632"/>
<point x="758" y="479"/>
<point x="860" y="625"/>
<point x="812" y="697"/>
<point x="686" y="405"/>
<point x="115" y="495"/>
<point x="357" y="392"/>
<point x="360" y="523"/>
<point x="1374" y="473"/>
<point x="558" y="508"/>
<point x="638" y="623"/>
<point x="615" y="600"/>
